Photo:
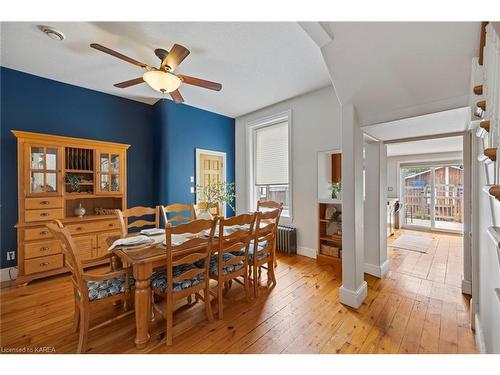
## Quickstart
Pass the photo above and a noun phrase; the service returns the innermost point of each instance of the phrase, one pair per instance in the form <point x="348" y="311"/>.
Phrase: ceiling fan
<point x="162" y="79"/>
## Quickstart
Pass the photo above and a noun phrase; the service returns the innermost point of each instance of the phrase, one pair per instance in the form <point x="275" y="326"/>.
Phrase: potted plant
<point x="212" y="196"/>
<point x="336" y="188"/>
<point x="74" y="182"/>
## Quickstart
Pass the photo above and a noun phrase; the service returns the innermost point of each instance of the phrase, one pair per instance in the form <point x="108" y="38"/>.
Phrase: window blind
<point x="271" y="154"/>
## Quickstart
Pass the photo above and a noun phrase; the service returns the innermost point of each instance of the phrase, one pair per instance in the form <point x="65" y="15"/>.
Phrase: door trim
<point x="200" y="151"/>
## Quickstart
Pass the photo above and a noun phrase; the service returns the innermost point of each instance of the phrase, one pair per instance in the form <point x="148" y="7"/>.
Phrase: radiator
<point x="286" y="240"/>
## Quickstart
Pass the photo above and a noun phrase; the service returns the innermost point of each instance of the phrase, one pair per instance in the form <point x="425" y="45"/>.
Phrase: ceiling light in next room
<point x="52" y="33"/>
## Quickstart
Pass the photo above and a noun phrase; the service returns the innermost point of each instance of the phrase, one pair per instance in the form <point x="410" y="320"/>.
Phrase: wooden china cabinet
<point x="57" y="175"/>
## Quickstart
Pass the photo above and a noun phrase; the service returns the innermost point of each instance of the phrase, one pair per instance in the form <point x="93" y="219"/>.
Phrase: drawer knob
<point x="79" y="228"/>
<point x="44" y="214"/>
<point x="44" y="232"/>
<point x="44" y="248"/>
<point x="44" y="202"/>
<point x="111" y="225"/>
<point x="43" y="264"/>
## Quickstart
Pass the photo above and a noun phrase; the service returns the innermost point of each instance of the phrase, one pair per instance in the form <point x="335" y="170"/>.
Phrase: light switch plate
<point x="192" y="178"/>
<point x="192" y="190"/>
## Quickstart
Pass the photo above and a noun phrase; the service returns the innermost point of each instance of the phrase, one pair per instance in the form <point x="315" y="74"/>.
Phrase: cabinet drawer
<point x="40" y="233"/>
<point x="44" y="215"/>
<point x="42" y="264"/>
<point x="40" y="249"/>
<point x="43" y="203"/>
<point x="94" y="226"/>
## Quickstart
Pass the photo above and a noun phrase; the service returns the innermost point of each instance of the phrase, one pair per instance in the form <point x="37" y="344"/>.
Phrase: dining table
<point x="143" y="259"/>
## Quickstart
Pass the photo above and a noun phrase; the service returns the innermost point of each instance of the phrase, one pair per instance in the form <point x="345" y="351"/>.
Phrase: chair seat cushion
<point x="214" y="264"/>
<point x="251" y="251"/>
<point x="107" y="288"/>
<point x="159" y="279"/>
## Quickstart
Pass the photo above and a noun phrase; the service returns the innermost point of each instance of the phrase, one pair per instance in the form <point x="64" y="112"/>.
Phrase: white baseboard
<point x="479" y="335"/>
<point x="306" y="251"/>
<point x="353" y="298"/>
<point x="377" y="270"/>
<point x="466" y="286"/>
<point x="4" y="273"/>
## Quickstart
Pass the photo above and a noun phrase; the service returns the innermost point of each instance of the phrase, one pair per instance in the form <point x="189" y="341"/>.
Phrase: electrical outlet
<point x="191" y="179"/>
<point x="191" y="189"/>
<point x="11" y="255"/>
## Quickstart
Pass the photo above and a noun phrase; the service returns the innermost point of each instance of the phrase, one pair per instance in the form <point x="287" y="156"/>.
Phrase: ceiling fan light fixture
<point x="162" y="81"/>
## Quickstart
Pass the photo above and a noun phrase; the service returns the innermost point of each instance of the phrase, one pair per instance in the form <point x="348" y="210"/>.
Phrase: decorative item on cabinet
<point x="58" y="178"/>
<point x="104" y="211"/>
<point x="80" y="211"/>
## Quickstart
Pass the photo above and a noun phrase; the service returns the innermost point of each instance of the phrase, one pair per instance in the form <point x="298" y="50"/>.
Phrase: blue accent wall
<point x="36" y="104"/>
<point x="180" y="129"/>
<point x="163" y="139"/>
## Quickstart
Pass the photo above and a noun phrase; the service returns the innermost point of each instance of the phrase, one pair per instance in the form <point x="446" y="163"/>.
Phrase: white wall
<point x="393" y="163"/>
<point x="375" y="209"/>
<point x="486" y="210"/>
<point x="316" y="126"/>
<point x="488" y="314"/>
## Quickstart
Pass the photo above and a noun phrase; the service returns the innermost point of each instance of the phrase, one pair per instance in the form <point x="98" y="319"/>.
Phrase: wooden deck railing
<point x="448" y="203"/>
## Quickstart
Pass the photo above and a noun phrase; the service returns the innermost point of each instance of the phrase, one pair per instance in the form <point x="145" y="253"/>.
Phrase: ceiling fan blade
<point x="175" y="56"/>
<point x="200" y="82"/>
<point x="130" y="82"/>
<point x="176" y="95"/>
<point x="118" y="55"/>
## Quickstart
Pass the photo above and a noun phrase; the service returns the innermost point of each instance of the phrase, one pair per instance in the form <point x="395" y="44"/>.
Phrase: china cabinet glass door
<point x="109" y="172"/>
<point x="44" y="169"/>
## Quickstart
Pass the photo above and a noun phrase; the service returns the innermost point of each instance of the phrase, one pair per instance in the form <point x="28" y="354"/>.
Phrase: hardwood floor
<point x="417" y="308"/>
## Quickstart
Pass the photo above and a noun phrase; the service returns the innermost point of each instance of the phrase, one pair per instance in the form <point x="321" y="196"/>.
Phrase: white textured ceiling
<point x="393" y="70"/>
<point x="451" y="121"/>
<point x="258" y="63"/>
<point x="428" y="146"/>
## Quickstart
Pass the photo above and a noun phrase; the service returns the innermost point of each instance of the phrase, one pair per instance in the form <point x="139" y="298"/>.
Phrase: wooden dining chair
<point x="265" y="205"/>
<point x="187" y="268"/>
<point x="179" y="213"/>
<point x="89" y="288"/>
<point x="231" y="261"/>
<point x="261" y="252"/>
<point x="144" y="217"/>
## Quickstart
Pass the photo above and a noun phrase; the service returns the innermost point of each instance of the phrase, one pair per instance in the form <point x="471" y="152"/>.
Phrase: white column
<point x="376" y="262"/>
<point x="467" y="212"/>
<point x="354" y="289"/>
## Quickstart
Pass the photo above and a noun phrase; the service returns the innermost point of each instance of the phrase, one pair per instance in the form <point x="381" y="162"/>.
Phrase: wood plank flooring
<point x="417" y="308"/>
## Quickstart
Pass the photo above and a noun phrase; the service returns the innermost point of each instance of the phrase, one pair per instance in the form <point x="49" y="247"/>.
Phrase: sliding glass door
<point x="432" y="196"/>
<point x="417" y="198"/>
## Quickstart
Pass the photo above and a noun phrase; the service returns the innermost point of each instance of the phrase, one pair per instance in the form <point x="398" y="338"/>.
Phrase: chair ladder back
<point x="188" y="252"/>
<point x="269" y="205"/>
<point x="236" y="240"/>
<point x="180" y="210"/>
<point x="138" y="212"/>
<point x="71" y="256"/>
<point x="266" y="228"/>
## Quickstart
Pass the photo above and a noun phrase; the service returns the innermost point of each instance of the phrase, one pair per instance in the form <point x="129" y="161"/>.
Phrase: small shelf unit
<point x="329" y="232"/>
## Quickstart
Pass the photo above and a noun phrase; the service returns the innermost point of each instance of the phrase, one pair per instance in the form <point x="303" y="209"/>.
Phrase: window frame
<point x="252" y="126"/>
